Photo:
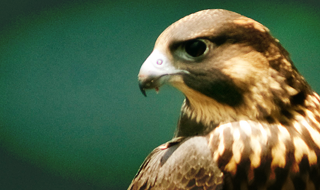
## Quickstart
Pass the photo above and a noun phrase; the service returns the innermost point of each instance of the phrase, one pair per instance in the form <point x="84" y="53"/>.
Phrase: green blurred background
<point x="71" y="114"/>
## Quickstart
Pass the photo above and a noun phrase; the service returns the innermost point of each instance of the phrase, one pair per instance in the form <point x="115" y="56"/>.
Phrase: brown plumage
<point x="249" y="120"/>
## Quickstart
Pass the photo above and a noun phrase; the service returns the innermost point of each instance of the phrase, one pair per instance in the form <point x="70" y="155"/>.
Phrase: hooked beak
<point x="155" y="71"/>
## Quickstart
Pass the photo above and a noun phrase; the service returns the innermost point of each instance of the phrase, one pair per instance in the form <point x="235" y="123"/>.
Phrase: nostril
<point x="159" y="62"/>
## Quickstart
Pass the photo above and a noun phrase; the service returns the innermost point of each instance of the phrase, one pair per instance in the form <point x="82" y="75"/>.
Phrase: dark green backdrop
<point x="71" y="114"/>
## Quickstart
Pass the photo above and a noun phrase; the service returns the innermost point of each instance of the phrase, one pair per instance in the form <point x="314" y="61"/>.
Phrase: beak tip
<point x="142" y="90"/>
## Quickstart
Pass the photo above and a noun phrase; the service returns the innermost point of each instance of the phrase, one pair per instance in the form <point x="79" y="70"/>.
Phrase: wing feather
<point x="181" y="165"/>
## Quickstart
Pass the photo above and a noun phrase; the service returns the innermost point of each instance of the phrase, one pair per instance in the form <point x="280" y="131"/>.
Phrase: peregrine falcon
<point x="249" y="119"/>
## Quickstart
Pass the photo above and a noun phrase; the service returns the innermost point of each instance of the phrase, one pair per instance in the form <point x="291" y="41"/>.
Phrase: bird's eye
<point x="195" y="48"/>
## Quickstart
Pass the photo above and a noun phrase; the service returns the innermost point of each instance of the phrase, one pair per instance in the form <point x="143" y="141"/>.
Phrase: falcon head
<point x="229" y="68"/>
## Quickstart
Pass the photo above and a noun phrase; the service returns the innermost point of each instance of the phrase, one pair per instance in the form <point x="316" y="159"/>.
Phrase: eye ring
<point x="196" y="48"/>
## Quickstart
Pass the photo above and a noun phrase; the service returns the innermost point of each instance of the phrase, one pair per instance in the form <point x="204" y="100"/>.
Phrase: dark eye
<point x="195" y="48"/>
